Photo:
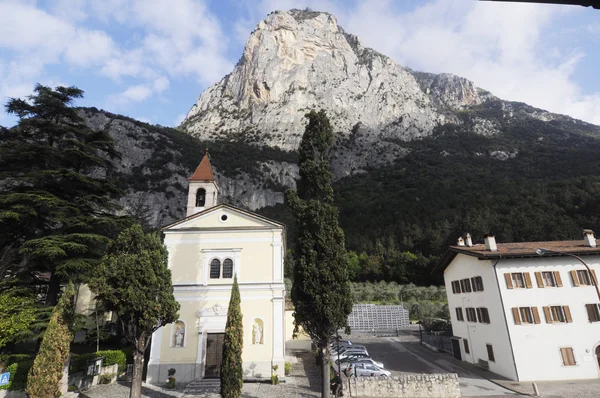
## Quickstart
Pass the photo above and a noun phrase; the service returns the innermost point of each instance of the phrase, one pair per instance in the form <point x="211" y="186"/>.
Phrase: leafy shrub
<point x="18" y="375"/>
<point x="106" y="378"/>
<point x="12" y="369"/>
<point x="72" y="387"/>
<point x="111" y="357"/>
<point x="14" y="358"/>
<point x="287" y="370"/>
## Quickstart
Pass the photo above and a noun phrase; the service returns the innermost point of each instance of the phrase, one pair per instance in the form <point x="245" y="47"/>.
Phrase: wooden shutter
<point x="568" y="313"/>
<point x="591" y="312"/>
<point x="557" y="279"/>
<point x="538" y="278"/>
<point x="575" y="278"/>
<point x="595" y="281"/>
<point x="536" y="315"/>
<point x="547" y="314"/>
<point x="508" y="279"/>
<point x="490" y="351"/>
<point x="516" y="315"/>
<point x="466" y="346"/>
<point x="527" y="280"/>
<point x="567" y="356"/>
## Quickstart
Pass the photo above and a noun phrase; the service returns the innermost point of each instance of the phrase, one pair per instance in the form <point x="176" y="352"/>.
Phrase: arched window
<point x="227" y="268"/>
<point x="215" y="269"/>
<point x="200" y="197"/>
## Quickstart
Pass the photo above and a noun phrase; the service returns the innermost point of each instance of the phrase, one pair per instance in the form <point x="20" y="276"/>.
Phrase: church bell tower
<point x="202" y="190"/>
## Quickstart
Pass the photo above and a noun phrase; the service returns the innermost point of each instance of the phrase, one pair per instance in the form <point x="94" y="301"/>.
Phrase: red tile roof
<point x="203" y="171"/>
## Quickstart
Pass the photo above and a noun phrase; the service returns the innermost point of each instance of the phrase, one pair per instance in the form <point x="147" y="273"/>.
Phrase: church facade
<point x="206" y="249"/>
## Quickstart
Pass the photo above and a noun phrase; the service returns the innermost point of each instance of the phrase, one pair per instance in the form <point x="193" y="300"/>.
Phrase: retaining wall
<point x="404" y="386"/>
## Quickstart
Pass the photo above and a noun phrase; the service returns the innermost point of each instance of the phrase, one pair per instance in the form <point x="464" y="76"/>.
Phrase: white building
<point x="525" y="316"/>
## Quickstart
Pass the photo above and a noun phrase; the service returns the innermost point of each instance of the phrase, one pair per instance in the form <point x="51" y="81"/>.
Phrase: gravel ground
<point x="302" y="382"/>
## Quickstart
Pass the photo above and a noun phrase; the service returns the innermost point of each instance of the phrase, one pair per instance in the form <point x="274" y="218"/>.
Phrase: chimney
<point x="468" y="240"/>
<point x="461" y="241"/>
<point x="490" y="242"/>
<point x="588" y="238"/>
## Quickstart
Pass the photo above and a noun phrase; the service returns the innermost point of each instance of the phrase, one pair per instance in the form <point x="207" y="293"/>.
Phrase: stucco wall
<point x="302" y="340"/>
<point x="413" y="386"/>
<point x="537" y="346"/>
<point x="480" y="334"/>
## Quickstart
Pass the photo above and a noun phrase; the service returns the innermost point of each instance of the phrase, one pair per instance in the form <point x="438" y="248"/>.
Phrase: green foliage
<point x="320" y="291"/>
<point x="57" y="206"/>
<point x="47" y="371"/>
<point x="17" y="313"/>
<point x="14" y="358"/>
<point x="233" y="343"/>
<point x="274" y="375"/>
<point x="12" y="369"/>
<point x="106" y="378"/>
<point x="111" y="357"/>
<point x="288" y="368"/>
<point x="18" y="377"/>
<point x="392" y="293"/>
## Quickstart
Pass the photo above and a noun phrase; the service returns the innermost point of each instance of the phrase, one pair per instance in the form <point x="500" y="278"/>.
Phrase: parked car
<point x="368" y="370"/>
<point x="335" y="343"/>
<point x="335" y="350"/>
<point x="346" y="354"/>
<point x="362" y="360"/>
<point x="353" y="357"/>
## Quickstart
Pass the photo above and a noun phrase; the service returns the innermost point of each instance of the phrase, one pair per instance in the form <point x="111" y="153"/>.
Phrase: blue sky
<point x="151" y="59"/>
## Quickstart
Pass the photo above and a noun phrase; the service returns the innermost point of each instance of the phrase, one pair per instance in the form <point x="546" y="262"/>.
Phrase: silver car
<point x="369" y="370"/>
<point x="362" y="360"/>
<point x="348" y="353"/>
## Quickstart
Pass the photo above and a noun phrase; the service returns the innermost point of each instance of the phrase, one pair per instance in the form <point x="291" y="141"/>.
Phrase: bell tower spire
<point x="203" y="191"/>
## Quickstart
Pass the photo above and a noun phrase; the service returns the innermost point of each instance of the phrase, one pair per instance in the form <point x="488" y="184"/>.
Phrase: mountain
<point x="418" y="158"/>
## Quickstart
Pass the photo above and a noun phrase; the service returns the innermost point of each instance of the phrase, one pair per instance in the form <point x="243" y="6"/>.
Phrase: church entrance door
<point x="214" y="354"/>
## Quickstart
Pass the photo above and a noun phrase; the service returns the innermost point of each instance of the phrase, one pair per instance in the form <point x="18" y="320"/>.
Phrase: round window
<point x="224" y="217"/>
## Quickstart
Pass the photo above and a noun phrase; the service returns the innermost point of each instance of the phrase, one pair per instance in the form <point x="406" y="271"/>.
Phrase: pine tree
<point x="56" y="205"/>
<point x="134" y="281"/>
<point x="321" y="291"/>
<point x="48" y="368"/>
<point x="233" y="343"/>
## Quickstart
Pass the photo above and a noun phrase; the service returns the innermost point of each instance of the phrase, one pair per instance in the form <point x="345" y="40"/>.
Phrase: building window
<point x="583" y="277"/>
<point x="456" y="287"/>
<point x="227" y="268"/>
<point x="483" y="315"/>
<point x="200" y="197"/>
<point x="465" y="285"/>
<point x="518" y="280"/>
<point x="548" y="279"/>
<point x="593" y="311"/>
<point x="558" y="314"/>
<point x="459" y="314"/>
<point x="466" y="344"/>
<point x="471" y="315"/>
<point x="568" y="358"/>
<point x="526" y="315"/>
<point x="215" y="269"/>
<point x="477" y="283"/>
<point x="490" y="352"/>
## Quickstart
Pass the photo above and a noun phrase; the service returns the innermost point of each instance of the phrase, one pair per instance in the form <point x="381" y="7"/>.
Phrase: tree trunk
<point x="53" y="289"/>
<point x="325" y="371"/>
<point x="138" y="368"/>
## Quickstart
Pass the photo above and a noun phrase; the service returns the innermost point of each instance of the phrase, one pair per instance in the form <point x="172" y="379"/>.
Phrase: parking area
<point x="404" y="355"/>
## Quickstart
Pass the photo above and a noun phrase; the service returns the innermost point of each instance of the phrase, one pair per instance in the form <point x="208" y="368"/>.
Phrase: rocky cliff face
<point x="295" y="61"/>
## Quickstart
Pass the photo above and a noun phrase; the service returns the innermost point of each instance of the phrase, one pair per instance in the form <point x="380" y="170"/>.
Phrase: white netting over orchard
<point x="374" y="317"/>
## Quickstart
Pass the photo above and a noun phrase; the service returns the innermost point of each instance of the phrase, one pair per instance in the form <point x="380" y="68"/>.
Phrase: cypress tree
<point x="56" y="204"/>
<point x="47" y="370"/>
<point x="321" y="290"/>
<point x="134" y="281"/>
<point x="233" y="343"/>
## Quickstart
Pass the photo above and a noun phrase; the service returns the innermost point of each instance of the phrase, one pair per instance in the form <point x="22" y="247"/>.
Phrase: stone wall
<point x="414" y="386"/>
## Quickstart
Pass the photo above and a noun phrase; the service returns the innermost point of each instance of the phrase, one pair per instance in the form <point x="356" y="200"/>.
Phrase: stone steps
<point x="203" y="385"/>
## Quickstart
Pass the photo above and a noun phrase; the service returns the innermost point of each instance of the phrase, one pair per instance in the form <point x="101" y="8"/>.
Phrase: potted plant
<point x="274" y="376"/>
<point x="171" y="379"/>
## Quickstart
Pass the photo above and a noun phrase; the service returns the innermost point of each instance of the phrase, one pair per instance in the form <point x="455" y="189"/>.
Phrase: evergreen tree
<point x="48" y="368"/>
<point x="56" y="205"/>
<point x="134" y="281"/>
<point x="233" y="343"/>
<point x="321" y="292"/>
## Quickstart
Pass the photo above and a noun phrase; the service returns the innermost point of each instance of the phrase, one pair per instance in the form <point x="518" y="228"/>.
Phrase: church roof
<point x="203" y="171"/>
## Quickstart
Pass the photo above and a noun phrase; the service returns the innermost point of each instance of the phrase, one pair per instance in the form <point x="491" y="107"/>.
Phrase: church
<point x="206" y="249"/>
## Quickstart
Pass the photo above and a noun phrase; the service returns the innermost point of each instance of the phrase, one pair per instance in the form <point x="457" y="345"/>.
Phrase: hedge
<point x="18" y="375"/>
<point x="12" y="369"/>
<point x="7" y="359"/>
<point x="111" y="357"/>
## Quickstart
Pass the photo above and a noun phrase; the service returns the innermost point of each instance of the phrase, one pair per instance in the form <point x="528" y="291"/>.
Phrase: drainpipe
<point x="506" y="320"/>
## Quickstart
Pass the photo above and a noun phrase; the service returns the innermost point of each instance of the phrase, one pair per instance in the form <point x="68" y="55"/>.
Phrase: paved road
<point x="404" y="355"/>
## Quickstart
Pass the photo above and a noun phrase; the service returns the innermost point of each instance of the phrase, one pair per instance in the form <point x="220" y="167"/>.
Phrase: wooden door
<point x="456" y="349"/>
<point x="214" y="355"/>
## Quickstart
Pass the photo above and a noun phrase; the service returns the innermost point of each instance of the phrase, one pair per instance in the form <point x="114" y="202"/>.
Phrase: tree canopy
<point x="232" y="373"/>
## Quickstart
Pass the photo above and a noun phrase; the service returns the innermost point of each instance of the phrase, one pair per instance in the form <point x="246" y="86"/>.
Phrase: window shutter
<point x="538" y="278"/>
<point x="557" y="278"/>
<point x="594" y="276"/>
<point x="515" y="312"/>
<point x="574" y="278"/>
<point x="591" y="312"/>
<point x="547" y="314"/>
<point x="568" y="313"/>
<point x="536" y="315"/>
<point x="508" y="281"/>
<point x="527" y="280"/>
